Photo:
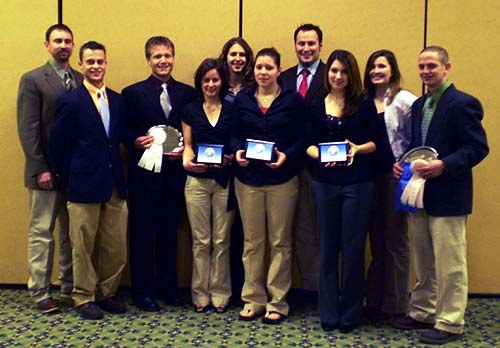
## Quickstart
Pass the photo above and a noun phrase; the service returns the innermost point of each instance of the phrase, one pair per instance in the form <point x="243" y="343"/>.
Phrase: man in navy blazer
<point x="449" y="121"/>
<point x="155" y="199"/>
<point x="308" y="40"/>
<point x="85" y="141"/>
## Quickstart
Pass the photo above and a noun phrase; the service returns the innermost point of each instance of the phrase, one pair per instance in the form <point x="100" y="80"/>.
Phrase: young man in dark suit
<point x="85" y="141"/>
<point x="39" y="90"/>
<point x="156" y="199"/>
<point x="307" y="78"/>
<point x="448" y="120"/>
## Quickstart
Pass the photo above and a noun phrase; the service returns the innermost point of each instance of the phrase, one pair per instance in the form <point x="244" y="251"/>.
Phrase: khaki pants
<point x="439" y="250"/>
<point x="45" y="208"/>
<point x="98" y="238"/>
<point x="267" y="216"/>
<point x="304" y="234"/>
<point x="210" y="222"/>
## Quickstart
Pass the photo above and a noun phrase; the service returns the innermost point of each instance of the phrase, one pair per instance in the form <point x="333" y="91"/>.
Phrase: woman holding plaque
<point x="268" y="142"/>
<point x="206" y="129"/>
<point x="342" y="186"/>
<point x="388" y="274"/>
<point x="237" y="57"/>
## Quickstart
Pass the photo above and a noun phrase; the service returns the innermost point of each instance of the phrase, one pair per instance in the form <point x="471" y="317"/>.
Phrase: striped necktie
<point x="105" y="116"/>
<point x="427" y="113"/>
<point x="67" y="82"/>
<point x="165" y="100"/>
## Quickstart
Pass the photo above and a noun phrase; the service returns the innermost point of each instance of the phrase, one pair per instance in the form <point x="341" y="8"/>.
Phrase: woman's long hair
<point x="248" y="78"/>
<point x="354" y="90"/>
<point x="395" y="81"/>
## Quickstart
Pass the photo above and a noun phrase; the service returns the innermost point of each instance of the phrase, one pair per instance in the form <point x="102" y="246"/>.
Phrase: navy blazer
<point x="143" y="111"/>
<point x="283" y="123"/>
<point x="456" y="133"/>
<point x="88" y="162"/>
<point x="317" y="87"/>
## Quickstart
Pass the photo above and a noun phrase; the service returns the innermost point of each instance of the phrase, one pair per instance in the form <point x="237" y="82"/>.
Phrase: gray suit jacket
<point x="38" y="92"/>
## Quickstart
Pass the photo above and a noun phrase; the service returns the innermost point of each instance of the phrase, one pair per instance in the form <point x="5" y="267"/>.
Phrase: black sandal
<point x="267" y="320"/>
<point x="221" y="309"/>
<point x="201" y="309"/>
<point x="248" y="318"/>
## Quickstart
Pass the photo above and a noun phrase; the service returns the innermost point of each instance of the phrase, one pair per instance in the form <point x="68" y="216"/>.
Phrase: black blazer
<point x="85" y="158"/>
<point x="143" y="111"/>
<point x="456" y="133"/>
<point x="316" y="89"/>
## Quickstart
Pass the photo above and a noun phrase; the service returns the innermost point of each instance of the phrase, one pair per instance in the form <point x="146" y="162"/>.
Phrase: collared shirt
<point x="397" y="118"/>
<point x="436" y="95"/>
<point x="312" y="71"/>
<point x="60" y="72"/>
<point x="94" y="94"/>
<point x="159" y="89"/>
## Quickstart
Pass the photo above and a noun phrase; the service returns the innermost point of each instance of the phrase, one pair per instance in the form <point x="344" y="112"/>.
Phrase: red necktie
<point x="303" y="84"/>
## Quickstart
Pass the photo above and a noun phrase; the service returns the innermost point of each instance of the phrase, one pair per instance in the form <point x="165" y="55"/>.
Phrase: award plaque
<point x="333" y="152"/>
<point x="209" y="154"/>
<point x="169" y="137"/>
<point x="422" y="152"/>
<point x="259" y="150"/>
<point x="411" y="184"/>
<point x="166" y="140"/>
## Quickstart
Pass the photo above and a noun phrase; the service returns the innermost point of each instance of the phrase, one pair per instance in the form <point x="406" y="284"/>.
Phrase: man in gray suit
<point x="39" y="90"/>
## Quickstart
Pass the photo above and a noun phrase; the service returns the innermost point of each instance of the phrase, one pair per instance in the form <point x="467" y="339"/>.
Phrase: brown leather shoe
<point x="89" y="310"/>
<point x="113" y="305"/>
<point x="47" y="306"/>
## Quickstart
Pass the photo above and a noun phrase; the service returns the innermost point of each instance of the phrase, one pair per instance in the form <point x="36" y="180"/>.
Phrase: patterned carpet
<point x="22" y="326"/>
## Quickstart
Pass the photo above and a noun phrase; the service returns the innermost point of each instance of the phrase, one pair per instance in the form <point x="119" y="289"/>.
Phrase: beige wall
<point x="199" y="28"/>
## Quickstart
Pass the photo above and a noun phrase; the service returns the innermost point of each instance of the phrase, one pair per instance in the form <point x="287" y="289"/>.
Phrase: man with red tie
<point x="307" y="79"/>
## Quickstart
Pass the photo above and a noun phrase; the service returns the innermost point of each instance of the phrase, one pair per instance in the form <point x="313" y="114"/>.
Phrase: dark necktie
<point x="67" y="82"/>
<point x="303" y="84"/>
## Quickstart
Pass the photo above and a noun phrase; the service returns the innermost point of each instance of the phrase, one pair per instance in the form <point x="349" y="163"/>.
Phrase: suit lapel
<point x="91" y="109"/>
<point x="153" y="99"/>
<point x="417" y="121"/>
<point x="439" y="114"/>
<point x="53" y="80"/>
<point x="78" y="77"/>
<point x="113" y="113"/>
<point x="316" y="82"/>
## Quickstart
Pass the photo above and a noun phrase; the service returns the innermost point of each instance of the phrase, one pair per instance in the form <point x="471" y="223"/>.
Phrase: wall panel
<point x="470" y="32"/>
<point x="23" y="29"/>
<point x="358" y="26"/>
<point x="199" y="28"/>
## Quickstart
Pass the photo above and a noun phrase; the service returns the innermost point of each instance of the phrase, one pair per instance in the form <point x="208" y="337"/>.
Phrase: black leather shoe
<point x="346" y="328"/>
<point x="408" y="323"/>
<point x="328" y="327"/>
<point x="170" y="300"/>
<point x="113" y="305"/>
<point x="146" y="303"/>
<point x="436" y="336"/>
<point x="89" y="310"/>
